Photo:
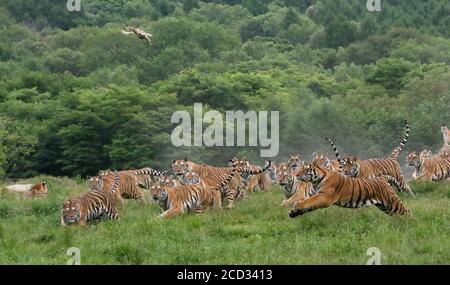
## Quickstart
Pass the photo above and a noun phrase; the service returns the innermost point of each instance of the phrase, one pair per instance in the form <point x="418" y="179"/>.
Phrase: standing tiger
<point x="336" y="189"/>
<point x="92" y="205"/>
<point x="429" y="168"/>
<point x="372" y="168"/>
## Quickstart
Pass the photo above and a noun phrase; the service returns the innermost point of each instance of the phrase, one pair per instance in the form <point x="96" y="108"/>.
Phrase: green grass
<point x="257" y="231"/>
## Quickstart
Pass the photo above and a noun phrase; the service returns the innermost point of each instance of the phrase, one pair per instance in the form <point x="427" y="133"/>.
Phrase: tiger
<point x="371" y="168"/>
<point x="230" y="194"/>
<point x="189" y="198"/>
<point x="38" y="190"/>
<point x="445" y="154"/>
<point x="446" y="134"/>
<point x="333" y="188"/>
<point x="323" y="159"/>
<point x="180" y="167"/>
<point x="261" y="181"/>
<point x="192" y="178"/>
<point x="294" y="190"/>
<point x="128" y="186"/>
<point x="428" y="168"/>
<point x="92" y="205"/>
<point x="294" y="161"/>
<point x="145" y="176"/>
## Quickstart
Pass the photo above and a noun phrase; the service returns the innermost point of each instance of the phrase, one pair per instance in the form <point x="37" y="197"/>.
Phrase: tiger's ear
<point x="173" y="161"/>
<point x="88" y="177"/>
<point x="185" y="158"/>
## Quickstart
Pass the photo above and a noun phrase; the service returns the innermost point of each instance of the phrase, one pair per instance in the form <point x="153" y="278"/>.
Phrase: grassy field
<point x="257" y="231"/>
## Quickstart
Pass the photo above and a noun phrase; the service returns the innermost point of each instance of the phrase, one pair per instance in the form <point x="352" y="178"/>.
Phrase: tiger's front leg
<point x="299" y="196"/>
<point x="320" y="200"/>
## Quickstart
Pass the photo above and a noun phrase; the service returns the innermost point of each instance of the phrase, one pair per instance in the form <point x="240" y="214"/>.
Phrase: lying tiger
<point x="372" y="168"/>
<point x="30" y="191"/>
<point x="428" y="167"/>
<point x="90" y="206"/>
<point x="336" y="189"/>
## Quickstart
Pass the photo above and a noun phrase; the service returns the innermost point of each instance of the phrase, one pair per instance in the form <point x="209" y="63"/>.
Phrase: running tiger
<point x="336" y="189"/>
<point x="92" y="205"/>
<point x="372" y="168"/>
<point x="434" y="168"/>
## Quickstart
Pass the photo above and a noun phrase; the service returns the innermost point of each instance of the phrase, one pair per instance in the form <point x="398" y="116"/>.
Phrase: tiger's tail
<point x="396" y="151"/>
<point x="338" y="156"/>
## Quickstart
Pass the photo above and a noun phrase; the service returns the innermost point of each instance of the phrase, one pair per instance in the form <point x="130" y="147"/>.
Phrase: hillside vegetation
<point x="76" y="95"/>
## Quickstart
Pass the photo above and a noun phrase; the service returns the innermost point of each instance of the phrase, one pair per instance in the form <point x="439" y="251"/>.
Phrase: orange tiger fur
<point x="38" y="190"/>
<point x="336" y="189"/>
<point x="372" y="168"/>
<point x="188" y="198"/>
<point x="434" y="168"/>
<point x="92" y="205"/>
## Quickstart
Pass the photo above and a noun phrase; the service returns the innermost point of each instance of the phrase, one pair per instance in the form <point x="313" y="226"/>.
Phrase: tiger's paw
<point x="294" y="213"/>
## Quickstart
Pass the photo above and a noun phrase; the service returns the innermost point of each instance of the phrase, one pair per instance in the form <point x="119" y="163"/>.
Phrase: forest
<point x="77" y="95"/>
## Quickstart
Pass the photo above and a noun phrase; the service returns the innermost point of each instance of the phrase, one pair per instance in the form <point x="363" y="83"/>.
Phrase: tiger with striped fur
<point x="38" y="190"/>
<point x="294" y="161"/>
<point x="128" y="187"/>
<point x="180" y="167"/>
<point x="333" y="188"/>
<point x="294" y="190"/>
<point x="189" y="198"/>
<point x="92" y="205"/>
<point x="429" y="168"/>
<point x="261" y="180"/>
<point x="372" y="168"/>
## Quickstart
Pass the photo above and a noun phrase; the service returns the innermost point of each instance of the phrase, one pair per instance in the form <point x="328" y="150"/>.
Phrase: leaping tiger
<point x="336" y="189"/>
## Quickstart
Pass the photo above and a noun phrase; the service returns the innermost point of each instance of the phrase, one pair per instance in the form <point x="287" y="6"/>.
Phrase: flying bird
<point x="138" y="32"/>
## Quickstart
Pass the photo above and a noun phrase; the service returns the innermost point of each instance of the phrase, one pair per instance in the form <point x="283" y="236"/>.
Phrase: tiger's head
<point x="414" y="159"/>
<point x="95" y="183"/>
<point x="284" y="176"/>
<point x="105" y="172"/>
<point x="232" y="161"/>
<point x="165" y="181"/>
<point x="180" y="167"/>
<point x="191" y="178"/>
<point x="445" y="154"/>
<point x="158" y="192"/>
<point x="294" y="161"/>
<point x="350" y="166"/>
<point x="71" y="212"/>
<point x="310" y="172"/>
<point x="321" y="159"/>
